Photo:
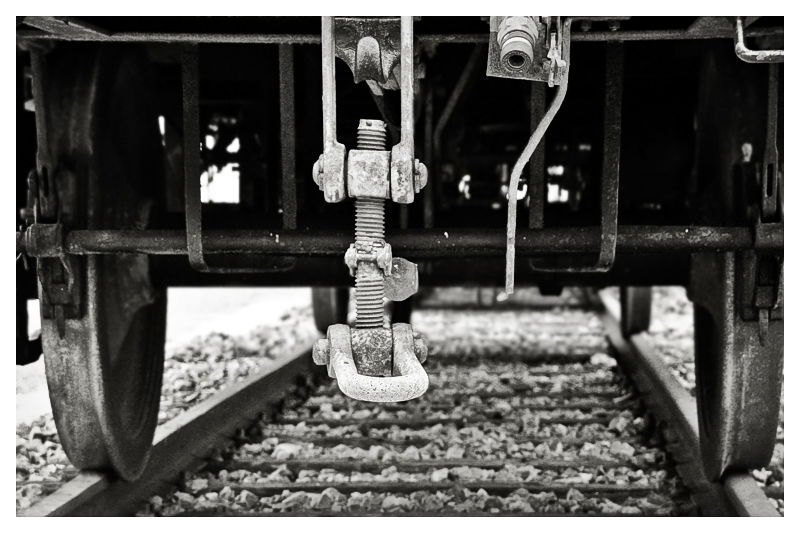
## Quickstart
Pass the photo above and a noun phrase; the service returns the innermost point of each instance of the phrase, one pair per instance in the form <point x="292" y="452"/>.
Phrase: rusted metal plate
<point x="371" y="48"/>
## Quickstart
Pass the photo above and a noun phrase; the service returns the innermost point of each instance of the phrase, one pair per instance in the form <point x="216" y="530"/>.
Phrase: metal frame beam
<point x="441" y="242"/>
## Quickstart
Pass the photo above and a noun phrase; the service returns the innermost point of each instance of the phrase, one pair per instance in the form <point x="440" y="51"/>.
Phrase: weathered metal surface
<point x="363" y="256"/>
<point x="518" y="48"/>
<point x="441" y="242"/>
<point x="329" y="170"/>
<point x="368" y="174"/>
<point x="71" y="28"/>
<point x="772" y="164"/>
<point x="609" y="194"/>
<point x="288" y="136"/>
<point x="409" y="380"/>
<point x="103" y="35"/>
<point x="739" y="369"/>
<point x="372" y="351"/>
<point x="527" y="152"/>
<point x="408" y="175"/>
<point x="192" y="170"/>
<point x="537" y="182"/>
<point x="403" y="280"/>
<point x="103" y="366"/>
<point x="672" y="404"/>
<point x="191" y="157"/>
<point x="369" y="295"/>
<point x="371" y="48"/>
<point x="753" y="56"/>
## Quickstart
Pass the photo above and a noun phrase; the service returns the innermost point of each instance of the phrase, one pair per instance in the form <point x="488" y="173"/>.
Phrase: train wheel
<point x="330" y="306"/>
<point x="104" y="355"/>
<point x="635" y="303"/>
<point x="738" y="374"/>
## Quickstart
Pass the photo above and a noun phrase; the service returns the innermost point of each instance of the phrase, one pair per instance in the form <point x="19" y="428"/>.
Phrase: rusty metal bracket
<point x="191" y="174"/>
<point x="753" y="56"/>
<point x="58" y="273"/>
<point x="371" y="48"/>
<point x="526" y="48"/>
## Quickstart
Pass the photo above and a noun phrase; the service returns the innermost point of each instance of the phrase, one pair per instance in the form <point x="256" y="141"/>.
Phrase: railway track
<point x="519" y="431"/>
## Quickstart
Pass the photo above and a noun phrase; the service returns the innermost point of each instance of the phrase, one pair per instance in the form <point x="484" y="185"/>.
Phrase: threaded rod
<point x="370" y="222"/>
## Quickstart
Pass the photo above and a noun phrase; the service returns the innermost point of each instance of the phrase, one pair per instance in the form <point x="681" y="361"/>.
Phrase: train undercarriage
<point x="548" y="151"/>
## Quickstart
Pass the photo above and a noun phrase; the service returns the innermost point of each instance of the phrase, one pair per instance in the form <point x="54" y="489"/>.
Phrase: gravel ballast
<point x="192" y="373"/>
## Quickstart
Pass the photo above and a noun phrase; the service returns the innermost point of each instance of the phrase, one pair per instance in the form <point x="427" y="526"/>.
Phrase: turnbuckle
<point x="373" y="362"/>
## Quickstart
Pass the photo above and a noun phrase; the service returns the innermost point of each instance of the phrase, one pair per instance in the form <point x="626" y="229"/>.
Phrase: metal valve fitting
<point x="517" y="37"/>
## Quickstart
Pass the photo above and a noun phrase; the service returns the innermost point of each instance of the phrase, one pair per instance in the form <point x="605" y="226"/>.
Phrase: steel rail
<point x="737" y="494"/>
<point x="441" y="242"/>
<point x="312" y="38"/>
<point x="181" y="444"/>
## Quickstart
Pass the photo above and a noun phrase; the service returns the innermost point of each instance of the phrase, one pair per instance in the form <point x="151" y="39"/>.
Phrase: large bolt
<point x="516" y="37"/>
<point x="370" y="222"/>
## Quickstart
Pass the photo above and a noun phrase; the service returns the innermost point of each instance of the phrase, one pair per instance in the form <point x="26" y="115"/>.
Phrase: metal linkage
<point x="372" y="362"/>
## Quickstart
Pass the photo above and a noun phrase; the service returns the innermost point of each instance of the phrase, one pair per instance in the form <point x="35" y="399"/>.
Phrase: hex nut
<point x="368" y="173"/>
<point x="321" y="352"/>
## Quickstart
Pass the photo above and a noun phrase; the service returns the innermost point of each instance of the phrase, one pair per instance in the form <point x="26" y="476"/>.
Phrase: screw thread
<point x="370" y="222"/>
<point x="371" y="135"/>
